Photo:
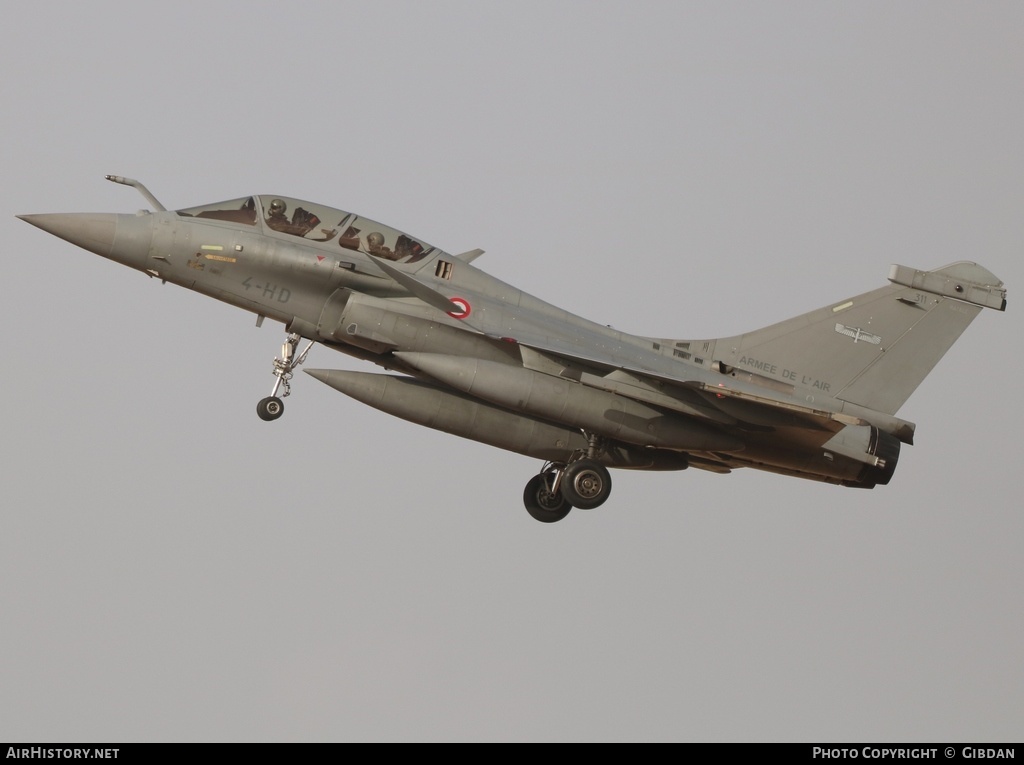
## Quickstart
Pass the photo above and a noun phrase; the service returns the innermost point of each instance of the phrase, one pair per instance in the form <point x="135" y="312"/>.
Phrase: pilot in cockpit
<point x="375" y="246"/>
<point x="302" y="221"/>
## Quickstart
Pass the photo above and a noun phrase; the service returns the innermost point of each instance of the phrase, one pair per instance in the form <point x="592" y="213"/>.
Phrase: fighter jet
<point x="812" y="397"/>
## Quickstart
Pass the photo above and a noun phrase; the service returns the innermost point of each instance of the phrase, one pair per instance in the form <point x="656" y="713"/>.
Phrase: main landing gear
<point x="272" y="406"/>
<point x="583" y="482"/>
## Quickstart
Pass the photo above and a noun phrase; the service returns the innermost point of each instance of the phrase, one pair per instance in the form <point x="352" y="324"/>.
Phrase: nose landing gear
<point x="272" y="407"/>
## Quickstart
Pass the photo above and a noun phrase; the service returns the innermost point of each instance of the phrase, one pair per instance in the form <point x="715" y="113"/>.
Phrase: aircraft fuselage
<point x="498" y="365"/>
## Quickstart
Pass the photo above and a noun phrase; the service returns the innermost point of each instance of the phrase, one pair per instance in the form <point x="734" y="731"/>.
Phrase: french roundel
<point x="462" y="310"/>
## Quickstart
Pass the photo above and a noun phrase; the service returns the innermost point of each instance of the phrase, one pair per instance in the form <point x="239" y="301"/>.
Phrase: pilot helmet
<point x="278" y="207"/>
<point x="376" y="239"/>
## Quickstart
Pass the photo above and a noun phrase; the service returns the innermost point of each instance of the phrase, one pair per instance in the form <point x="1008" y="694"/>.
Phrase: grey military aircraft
<point x="813" y="397"/>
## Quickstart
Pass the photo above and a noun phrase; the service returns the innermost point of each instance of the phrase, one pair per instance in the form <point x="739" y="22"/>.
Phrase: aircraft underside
<point x="576" y="462"/>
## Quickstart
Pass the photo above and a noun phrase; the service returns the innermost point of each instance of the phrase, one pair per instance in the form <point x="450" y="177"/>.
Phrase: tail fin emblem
<point x="858" y="334"/>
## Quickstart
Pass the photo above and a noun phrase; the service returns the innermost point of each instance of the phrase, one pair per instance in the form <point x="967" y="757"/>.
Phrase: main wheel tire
<point x="586" y="484"/>
<point x="270" y="408"/>
<point x="541" y="503"/>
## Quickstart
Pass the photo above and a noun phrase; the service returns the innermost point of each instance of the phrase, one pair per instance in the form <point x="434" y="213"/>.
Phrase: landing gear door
<point x="329" y="325"/>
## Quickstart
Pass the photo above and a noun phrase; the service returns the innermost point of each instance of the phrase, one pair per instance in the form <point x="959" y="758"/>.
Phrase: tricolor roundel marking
<point x="462" y="308"/>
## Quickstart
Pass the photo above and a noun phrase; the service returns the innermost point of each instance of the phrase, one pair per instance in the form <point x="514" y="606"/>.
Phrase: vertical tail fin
<point x="873" y="349"/>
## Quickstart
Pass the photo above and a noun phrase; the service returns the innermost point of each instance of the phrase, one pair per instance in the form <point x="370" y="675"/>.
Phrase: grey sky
<point x="172" y="568"/>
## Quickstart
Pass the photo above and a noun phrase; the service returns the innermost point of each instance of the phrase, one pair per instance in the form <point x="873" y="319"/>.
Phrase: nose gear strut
<point x="272" y="406"/>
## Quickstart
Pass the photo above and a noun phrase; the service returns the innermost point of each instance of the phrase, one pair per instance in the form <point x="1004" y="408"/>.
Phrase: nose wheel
<point x="272" y="407"/>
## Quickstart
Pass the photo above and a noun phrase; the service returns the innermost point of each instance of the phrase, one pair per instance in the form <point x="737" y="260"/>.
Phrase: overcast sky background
<point x="174" y="569"/>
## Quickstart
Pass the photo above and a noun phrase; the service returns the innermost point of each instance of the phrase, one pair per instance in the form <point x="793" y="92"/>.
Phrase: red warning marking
<point x="463" y="310"/>
<point x="319" y="258"/>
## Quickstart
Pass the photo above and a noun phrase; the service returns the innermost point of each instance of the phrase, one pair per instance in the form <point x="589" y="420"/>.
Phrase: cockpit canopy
<point x="316" y="223"/>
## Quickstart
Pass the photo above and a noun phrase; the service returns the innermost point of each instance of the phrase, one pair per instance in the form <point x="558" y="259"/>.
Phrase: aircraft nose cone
<point x="91" y="231"/>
